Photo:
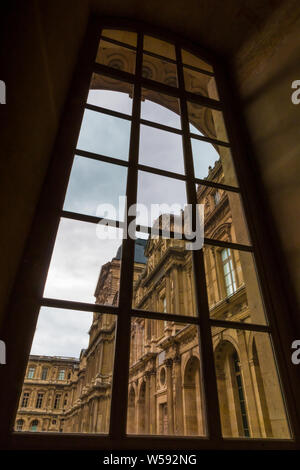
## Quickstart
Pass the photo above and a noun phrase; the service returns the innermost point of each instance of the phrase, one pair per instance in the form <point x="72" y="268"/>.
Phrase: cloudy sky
<point x="79" y="252"/>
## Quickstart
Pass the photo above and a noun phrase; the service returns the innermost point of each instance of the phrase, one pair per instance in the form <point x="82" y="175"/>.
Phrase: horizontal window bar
<point x="157" y="171"/>
<point x="99" y="109"/>
<point x="196" y="69"/>
<point x="210" y="140"/>
<point x="101" y="158"/>
<point x="30" y="440"/>
<point x="118" y="43"/>
<point x="212" y="184"/>
<point x="113" y="73"/>
<point x="80" y="306"/>
<point x="116" y="223"/>
<point x="240" y="326"/>
<point x="162" y="233"/>
<point x="203" y="101"/>
<point x="172" y="91"/>
<point x="157" y="86"/>
<point x="161" y="126"/>
<point x="150" y="169"/>
<point x="92" y="219"/>
<point x="164" y="316"/>
<point x="234" y="246"/>
<point x="158" y="56"/>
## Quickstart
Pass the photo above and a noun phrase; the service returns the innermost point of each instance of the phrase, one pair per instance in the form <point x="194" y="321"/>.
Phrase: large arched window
<point x="150" y="123"/>
<point x="34" y="425"/>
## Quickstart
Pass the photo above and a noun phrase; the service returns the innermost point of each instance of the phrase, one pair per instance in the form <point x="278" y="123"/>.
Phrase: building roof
<point x="139" y="251"/>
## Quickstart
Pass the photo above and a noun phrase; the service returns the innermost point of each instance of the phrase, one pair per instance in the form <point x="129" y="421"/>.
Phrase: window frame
<point x="44" y="374"/>
<point x="229" y="260"/>
<point x="41" y="244"/>
<point x="25" y="399"/>
<point x="39" y="400"/>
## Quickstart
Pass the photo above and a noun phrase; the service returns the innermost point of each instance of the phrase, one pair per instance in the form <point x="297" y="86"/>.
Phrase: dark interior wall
<point x="38" y="58"/>
<point x="265" y="68"/>
<point x="42" y="39"/>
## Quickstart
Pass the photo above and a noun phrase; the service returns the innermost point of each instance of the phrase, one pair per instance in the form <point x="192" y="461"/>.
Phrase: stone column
<point x="169" y="364"/>
<point x="147" y="403"/>
<point x="176" y="289"/>
<point x="179" y="425"/>
<point x="248" y="386"/>
<point x="95" y="415"/>
<point x="152" y="401"/>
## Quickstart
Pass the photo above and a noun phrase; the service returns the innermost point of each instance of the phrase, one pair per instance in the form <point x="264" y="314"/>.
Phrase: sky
<point x="79" y="252"/>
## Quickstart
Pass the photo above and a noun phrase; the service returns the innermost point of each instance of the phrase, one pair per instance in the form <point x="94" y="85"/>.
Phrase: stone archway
<point x="231" y="396"/>
<point x="141" y="405"/>
<point x="131" y="415"/>
<point x="193" y="413"/>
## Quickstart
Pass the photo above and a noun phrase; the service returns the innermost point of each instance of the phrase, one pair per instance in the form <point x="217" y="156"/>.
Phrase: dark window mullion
<point x="101" y="158"/>
<point x="118" y="43"/>
<point x="205" y="340"/>
<point x="122" y="343"/>
<point x="163" y="127"/>
<point x="92" y="219"/>
<point x="196" y="69"/>
<point x="157" y="86"/>
<point x="227" y="324"/>
<point x="110" y="112"/>
<point x="150" y="169"/>
<point x="225" y="244"/>
<point x="161" y="57"/>
<point x="79" y="306"/>
<point x="209" y="139"/>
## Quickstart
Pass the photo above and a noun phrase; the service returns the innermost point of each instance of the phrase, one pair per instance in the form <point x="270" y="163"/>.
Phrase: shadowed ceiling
<point x="221" y="26"/>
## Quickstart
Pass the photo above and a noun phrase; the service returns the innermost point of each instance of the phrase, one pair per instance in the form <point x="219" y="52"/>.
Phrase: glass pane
<point x="77" y="348"/>
<point x="213" y="162"/>
<point x="84" y="261"/>
<point x="223" y="215"/>
<point x="159" y="47"/>
<point x="115" y="56"/>
<point x="96" y="188"/>
<point x="161" y="149"/>
<point x="164" y="277"/>
<point x="207" y="122"/>
<point x="160" y="108"/>
<point x="128" y="37"/>
<point x="232" y="285"/>
<point x="194" y="61"/>
<point x="200" y="83"/>
<point x="158" y="195"/>
<point x="110" y="93"/>
<point x="159" y="70"/>
<point x="165" y="392"/>
<point x="250" y="395"/>
<point x="104" y="135"/>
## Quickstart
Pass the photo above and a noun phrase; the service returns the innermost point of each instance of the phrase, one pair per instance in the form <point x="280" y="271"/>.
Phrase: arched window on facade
<point x="233" y="404"/>
<point x="34" y="425"/>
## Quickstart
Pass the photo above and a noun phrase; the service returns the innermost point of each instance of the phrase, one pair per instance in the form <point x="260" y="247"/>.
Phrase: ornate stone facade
<point x="165" y="393"/>
<point x="46" y="393"/>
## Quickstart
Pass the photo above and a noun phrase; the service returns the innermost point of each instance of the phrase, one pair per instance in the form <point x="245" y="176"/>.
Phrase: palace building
<point x="165" y="390"/>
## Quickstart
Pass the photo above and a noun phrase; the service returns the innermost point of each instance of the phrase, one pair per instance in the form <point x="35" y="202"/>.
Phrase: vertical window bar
<point x="122" y="346"/>
<point x="213" y="420"/>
